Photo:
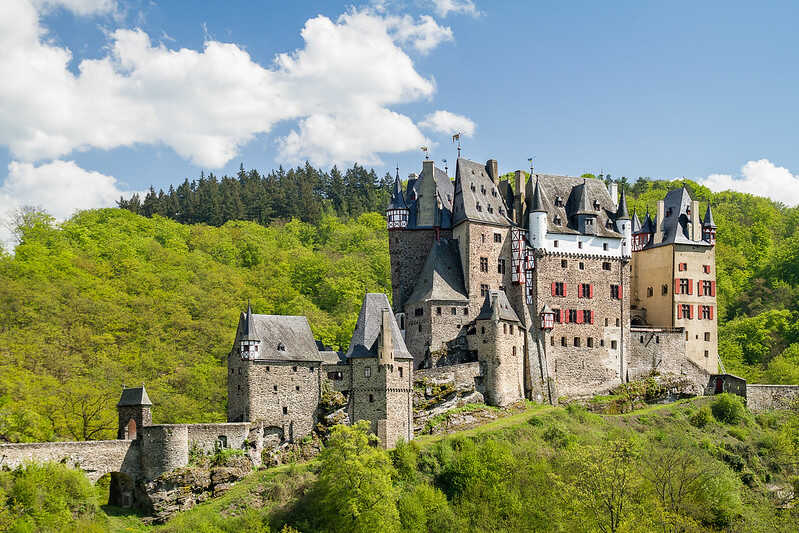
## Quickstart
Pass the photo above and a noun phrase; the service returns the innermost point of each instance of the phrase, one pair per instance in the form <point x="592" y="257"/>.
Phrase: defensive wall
<point x="464" y="375"/>
<point x="764" y="397"/>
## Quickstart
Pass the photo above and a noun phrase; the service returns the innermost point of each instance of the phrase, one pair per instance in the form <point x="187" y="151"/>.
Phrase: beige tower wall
<point x="702" y="352"/>
<point x="654" y="268"/>
<point x="501" y="355"/>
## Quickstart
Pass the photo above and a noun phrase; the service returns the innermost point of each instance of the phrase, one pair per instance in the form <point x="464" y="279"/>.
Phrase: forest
<point x="112" y="297"/>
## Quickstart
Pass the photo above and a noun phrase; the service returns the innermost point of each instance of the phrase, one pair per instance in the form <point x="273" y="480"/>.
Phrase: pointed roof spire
<point x="537" y="205"/>
<point x="134" y="397"/>
<point x="621" y="212"/>
<point x="708" y="222"/>
<point x="582" y="206"/>
<point x="397" y="198"/>
<point x="636" y="223"/>
<point x="648" y="226"/>
<point x="249" y="333"/>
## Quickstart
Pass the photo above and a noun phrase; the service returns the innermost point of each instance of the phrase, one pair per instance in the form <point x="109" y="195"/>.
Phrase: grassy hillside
<point x="699" y="465"/>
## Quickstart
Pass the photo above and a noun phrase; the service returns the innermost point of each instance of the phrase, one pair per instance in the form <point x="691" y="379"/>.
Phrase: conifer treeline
<point x="305" y="193"/>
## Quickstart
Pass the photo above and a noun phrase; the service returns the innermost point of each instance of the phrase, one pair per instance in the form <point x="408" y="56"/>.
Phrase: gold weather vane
<point x="425" y="150"/>
<point x="457" y="137"/>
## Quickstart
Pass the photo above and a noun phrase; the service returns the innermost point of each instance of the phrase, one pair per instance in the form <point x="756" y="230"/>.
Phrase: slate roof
<point x="291" y="333"/>
<point x="441" y="278"/>
<point x="474" y="187"/>
<point x="537" y="203"/>
<point x="249" y="334"/>
<point x="497" y="305"/>
<point x="367" y="329"/>
<point x="134" y="397"/>
<point x="444" y="193"/>
<point x="397" y="196"/>
<point x="675" y="226"/>
<point x="621" y="212"/>
<point x="636" y="224"/>
<point x="649" y="225"/>
<point x="574" y="192"/>
<point x="708" y="220"/>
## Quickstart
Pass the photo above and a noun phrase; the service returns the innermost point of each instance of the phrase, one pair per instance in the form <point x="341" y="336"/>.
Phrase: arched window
<point x="132" y="429"/>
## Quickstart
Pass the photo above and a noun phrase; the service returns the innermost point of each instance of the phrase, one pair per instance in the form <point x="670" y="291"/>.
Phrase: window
<point x="479" y="209"/>
<point x="482" y="237"/>
<point x="297" y="388"/>
<point x="552" y="341"/>
<point x="281" y="347"/>
<point x="310" y="369"/>
<point x="482" y="330"/>
<point x="554" y="244"/>
<point x="420" y="328"/>
<point x="596" y="205"/>
<point x="606" y="322"/>
<point x="641" y="339"/>
<point x="501" y="266"/>
<point x="465" y="310"/>
<point x="267" y="369"/>
<point x="438" y="310"/>
<point x="514" y="351"/>
<point x="504" y="328"/>
<point x="453" y="311"/>
<point x="497" y="237"/>
<point x="558" y="201"/>
<point x="707" y="312"/>
<point x="371" y="398"/>
<point x="564" y="263"/>
<point x="419" y="311"/>
<point x="400" y="371"/>
<point x="483" y="264"/>
<point x="573" y="316"/>
<point x="707" y="336"/>
<point x="557" y="315"/>
<point x="483" y="289"/>
<point x="605" y="266"/>
<point x="335" y="376"/>
<point x="707" y="354"/>
<point x="615" y="293"/>
<point x="511" y="329"/>
<point x="685" y="311"/>
<point x="563" y="341"/>
<point x="576" y="342"/>
<point x="707" y="288"/>
<point x="668" y="212"/>
<point x="605" y="246"/>
<point x="617" y="322"/>
<point x="682" y="267"/>
<point x="285" y="410"/>
<point x="581" y="265"/>
<point x="589" y="342"/>
<point x="650" y="291"/>
<point x="274" y="388"/>
<point x="367" y="371"/>
<point x="613" y="345"/>
<point x="559" y="289"/>
<point x="706" y="269"/>
<point x="602" y="342"/>
<point x="294" y="369"/>
<point x="232" y="370"/>
<point x="657" y="339"/>
<point x="685" y="286"/>
<point x="579" y="243"/>
<point x="664" y="289"/>
<point x="588" y="316"/>
<point x="585" y="290"/>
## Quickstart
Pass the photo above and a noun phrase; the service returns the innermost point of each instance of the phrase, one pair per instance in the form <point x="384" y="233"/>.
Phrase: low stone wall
<point x="204" y="437"/>
<point x="463" y="375"/>
<point x="94" y="457"/>
<point x="764" y="397"/>
<point x="663" y="351"/>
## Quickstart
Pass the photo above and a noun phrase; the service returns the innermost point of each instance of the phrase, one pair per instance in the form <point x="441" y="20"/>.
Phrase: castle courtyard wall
<point x="764" y="397"/>
<point x="204" y="437"/>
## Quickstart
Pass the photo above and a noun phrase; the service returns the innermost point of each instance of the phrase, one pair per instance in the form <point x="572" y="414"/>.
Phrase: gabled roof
<point x="441" y="278"/>
<point x="708" y="220"/>
<point x="566" y="188"/>
<point x="497" y="307"/>
<point x="367" y="329"/>
<point x="283" y="338"/>
<point x="444" y="192"/>
<point x="473" y="189"/>
<point x="675" y="226"/>
<point x="135" y="397"/>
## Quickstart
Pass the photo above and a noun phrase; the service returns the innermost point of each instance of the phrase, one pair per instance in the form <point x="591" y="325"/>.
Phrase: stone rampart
<point x="95" y="458"/>
<point x="206" y="437"/>
<point x="764" y="397"/>
<point x="463" y="375"/>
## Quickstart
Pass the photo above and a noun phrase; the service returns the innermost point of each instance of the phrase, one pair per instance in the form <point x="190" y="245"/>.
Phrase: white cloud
<point x="761" y="178"/>
<point x="445" y="7"/>
<point x="61" y="187"/>
<point x="206" y="104"/>
<point x="449" y="123"/>
<point x="80" y="7"/>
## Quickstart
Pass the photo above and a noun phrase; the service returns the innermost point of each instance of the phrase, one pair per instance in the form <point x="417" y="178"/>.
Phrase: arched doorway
<point x="121" y="490"/>
<point x="273" y="436"/>
<point x="131" y="429"/>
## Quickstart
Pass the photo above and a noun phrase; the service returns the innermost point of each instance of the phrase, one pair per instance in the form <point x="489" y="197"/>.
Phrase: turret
<point x="646" y="232"/>
<point x="134" y="412"/>
<point x="538" y="218"/>
<point x="584" y="213"/>
<point x="624" y="225"/>
<point x="249" y="341"/>
<point x="709" y="226"/>
<point x="397" y="210"/>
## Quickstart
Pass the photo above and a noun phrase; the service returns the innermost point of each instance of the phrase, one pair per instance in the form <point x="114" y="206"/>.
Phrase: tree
<point x="354" y="486"/>
<point x="27" y="219"/>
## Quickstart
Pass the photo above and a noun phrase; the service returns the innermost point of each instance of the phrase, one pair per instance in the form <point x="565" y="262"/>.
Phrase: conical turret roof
<point x="708" y="222"/>
<point x="537" y="205"/>
<point x="249" y="327"/>
<point x="636" y="224"/>
<point x="621" y="212"/>
<point x="397" y="198"/>
<point x="648" y="226"/>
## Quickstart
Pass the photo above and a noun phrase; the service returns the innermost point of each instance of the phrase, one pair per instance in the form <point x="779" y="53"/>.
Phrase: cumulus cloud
<point x="761" y="178"/>
<point x="449" y="123"/>
<point x="80" y="7"/>
<point x="445" y="7"/>
<point x="61" y="187"/>
<point x="206" y="104"/>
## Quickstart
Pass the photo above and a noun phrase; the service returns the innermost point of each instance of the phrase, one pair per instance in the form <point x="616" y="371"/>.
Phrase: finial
<point x="530" y="160"/>
<point x="457" y="137"/>
<point x="426" y="152"/>
<point x="446" y="170"/>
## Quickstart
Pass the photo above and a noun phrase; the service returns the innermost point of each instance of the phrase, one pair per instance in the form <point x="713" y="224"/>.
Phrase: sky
<point x="102" y="98"/>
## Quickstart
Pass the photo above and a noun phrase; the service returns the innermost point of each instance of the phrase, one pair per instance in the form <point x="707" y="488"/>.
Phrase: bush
<point x="558" y="437"/>
<point x="728" y="408"/>
<point x="702" y="417"/>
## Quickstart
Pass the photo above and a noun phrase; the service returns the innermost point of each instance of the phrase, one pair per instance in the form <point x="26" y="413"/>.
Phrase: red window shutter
<point x="591" y="314"/>
<point x="591" y="291"/>
<point x="691" y="311"/>
<point x="711" y="312"/>
<point x="579" y="317"/>
<point x="564" y="288"/>
<point x="566" y="316"/>
<point x="713" y="288"/>
<point x="690" y="286"/>
<point x="621" y="295"/>
<point x="679" y="311"/>
<point x="579" y="290"/>
<point x="561" y="318"/>
<point x="553" y="288"/>
<point x="676" y="286"/>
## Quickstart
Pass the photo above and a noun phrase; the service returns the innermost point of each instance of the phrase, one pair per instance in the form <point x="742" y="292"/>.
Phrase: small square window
<point x="589" y="342"/>
<point x="555" y="244"/>
<point x="294" y="369"/>
<point x="400" y="371"/>
<point x="453" y="311"/>
<point x="613" y="345"/>
<point x="274" y="388"/>
<point x="707" y="354"/>
<point x="577" y="342"/>
<point x="563" y="341"/>
<point x="367" y="371"/>
<point x="606" y="266"/>
<point x="707" y="336"/>
<point x="438" y="310"/>
<point x="371" y="398"/>
<point x="267" y="369"/>
<point x="297" y="387"/>
<point x="581" y="265"/>
<point x="564" y="263"/>
<point x="605" y="246"/>
<point x="497" y="237"/>
<point x="285" y="410"/>
<point x="579" y="245"/>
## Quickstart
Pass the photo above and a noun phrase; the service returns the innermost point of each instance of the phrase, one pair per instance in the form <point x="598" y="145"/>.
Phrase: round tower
<point x="624" y="225"/>
<point x="397" y="210"/>
<point x="538" y="218"/>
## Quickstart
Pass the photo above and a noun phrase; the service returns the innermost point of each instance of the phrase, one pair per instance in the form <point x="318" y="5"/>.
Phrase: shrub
<point x="223" y="455"/>
<point x="535" y="421"/>
<point x="728" y="408"/>
<point x="558" y="437"/>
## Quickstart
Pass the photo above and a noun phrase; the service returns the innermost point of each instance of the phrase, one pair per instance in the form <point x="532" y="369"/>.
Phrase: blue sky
<point x="103" y="97"/>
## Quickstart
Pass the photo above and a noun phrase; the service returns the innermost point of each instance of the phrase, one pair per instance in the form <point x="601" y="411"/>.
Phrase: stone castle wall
<point x="94" y="457"/>
<point x="464" y="375"/>
<point x="500" y="354"/>
<point x="408" y="250"/>
<point x="764" y="397"/>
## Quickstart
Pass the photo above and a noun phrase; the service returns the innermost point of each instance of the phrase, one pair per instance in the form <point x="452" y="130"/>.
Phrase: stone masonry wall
<point x="163" y="448"/>
<point x="462" y="375"/>
<point x="584" y="370"/>
<point x="367" y="398"/>
<point x="284" y="395"/>
<point x="408" y="250"/>
<point x="500" y="354"/>
<point x="764" y="397"/>
<point x="204" y="437"/>
<point x="95" y="457"/>
<point x="662" y="350"/>
<point x="237" y="388"/>
<point x="476" y="241"/>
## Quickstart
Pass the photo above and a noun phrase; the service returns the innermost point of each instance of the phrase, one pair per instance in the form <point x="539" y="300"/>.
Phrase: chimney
<point x="427" y="167"/>
<point x="696" y="226"/>
<point x="613" y="189"/>
<point x="491" y="168"/>
<point x="518" y="197"/>
<point x="658" y="237"/>
<point x="385" y="348"/>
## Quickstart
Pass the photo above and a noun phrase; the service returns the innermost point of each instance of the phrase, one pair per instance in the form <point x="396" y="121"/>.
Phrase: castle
<point x="550" y="284"/>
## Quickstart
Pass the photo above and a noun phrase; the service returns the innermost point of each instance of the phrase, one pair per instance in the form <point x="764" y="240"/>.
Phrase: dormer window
<point x="479" y="207"/>
<point x="501" y="211"/>
<point x="556" y="220"/>
<point x="472" y="187"/>
<point x="281" y="347"/>
<point x="688" y="211"/>
<point x="558" y="201"/>
<point x="490" y="209"/>
<point x="596" y="205"/>
<point x="493" y="193"/>
<point x="668" y="212"/>
<point x="482" y="189"/>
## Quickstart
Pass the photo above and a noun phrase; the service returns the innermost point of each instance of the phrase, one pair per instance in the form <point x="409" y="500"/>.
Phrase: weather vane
<point x="530" y="160"/>
<point x="445" y="166"/>
<point x="425" y="150"/>
<point x="457" y="137"/>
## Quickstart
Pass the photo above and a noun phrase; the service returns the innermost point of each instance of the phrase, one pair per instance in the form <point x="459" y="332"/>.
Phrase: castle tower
<point x="500" y="350"/>
<point x="709" y="227"/>
<point x="397" y="210"/>
<point x="134" y="412"/>
<point x="381" y="373"/>
<point x="538" y="218"/>
<point x="624" y="225"/>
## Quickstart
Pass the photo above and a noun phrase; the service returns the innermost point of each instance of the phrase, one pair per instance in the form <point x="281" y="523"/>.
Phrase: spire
<point x="249" y="333"/>
<point x="648" y="226"/>
<point x="707" y="222"/>
<point x="621" y="212"/>
<point x="537" y="205"/>
<point x="397" y="198"/>
<point x="636" y="223"/>
<point x="582" y="206"/>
